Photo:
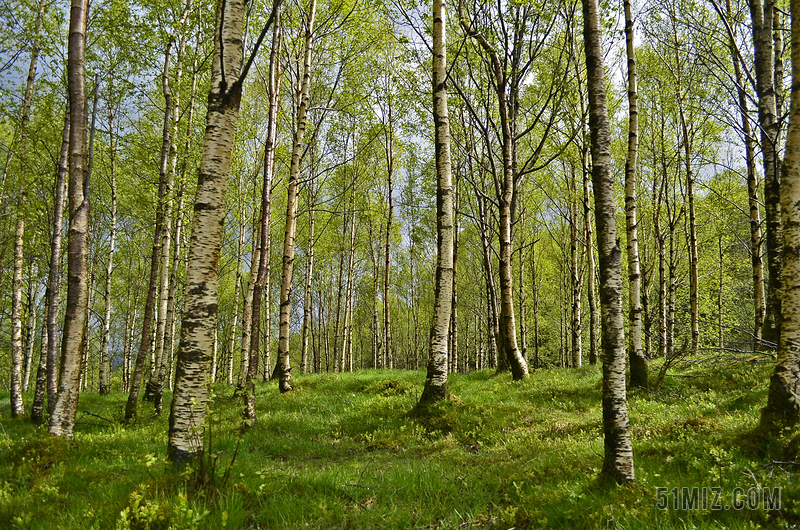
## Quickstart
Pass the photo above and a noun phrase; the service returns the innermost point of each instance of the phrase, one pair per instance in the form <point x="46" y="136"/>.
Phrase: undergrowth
<point x="343" y="451"/>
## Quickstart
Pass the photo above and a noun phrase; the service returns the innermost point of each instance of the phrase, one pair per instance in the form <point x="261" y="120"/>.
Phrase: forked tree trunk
<point x="618" y="459"/>
<point x="62" y="419"/>
<point x="436" y="380"/>
<point x="756" y="249"/>
<point x="283" y="366"/>
<point x="762" y="14"/>
<point x="638" y="363"/>
<point x="155" y="386"/>
<point x="260" y="286"/>
<point x="46" y="375"/>
<point x="577" y="261"/>
<point x="783" y="399"/>
<point x="508" y="348"/>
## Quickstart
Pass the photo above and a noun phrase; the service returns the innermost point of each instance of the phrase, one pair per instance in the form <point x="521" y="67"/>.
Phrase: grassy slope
<point x="342" y="452"/>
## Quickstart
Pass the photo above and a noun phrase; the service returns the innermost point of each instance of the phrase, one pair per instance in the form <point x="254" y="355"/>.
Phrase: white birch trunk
<point x="436" y="380"/>
<point x="62" y="419"/>
<point x="198" y="326"/>
<point x="618" y="459"/>
<point x="283" y="367"/>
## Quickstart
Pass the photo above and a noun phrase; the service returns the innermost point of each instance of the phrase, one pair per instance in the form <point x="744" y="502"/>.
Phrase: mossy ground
<point x="342" y="451"/>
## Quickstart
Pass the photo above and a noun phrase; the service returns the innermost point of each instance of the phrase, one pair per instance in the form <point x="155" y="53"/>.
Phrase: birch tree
<point x="62" y="419"/>
<point x="783" y="399"/>
<point x="638" y="364"/>
<point x="436" y="379"/>
<point x="199" y="323"/>
<point x="618" y="456"/>
<point x="283" y="367"/>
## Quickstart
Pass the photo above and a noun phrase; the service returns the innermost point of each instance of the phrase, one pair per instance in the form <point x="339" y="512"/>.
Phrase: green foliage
<point x="343" y="451"/>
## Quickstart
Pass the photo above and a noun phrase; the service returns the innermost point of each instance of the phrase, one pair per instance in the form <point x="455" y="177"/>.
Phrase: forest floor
<point x="342" y="451"/>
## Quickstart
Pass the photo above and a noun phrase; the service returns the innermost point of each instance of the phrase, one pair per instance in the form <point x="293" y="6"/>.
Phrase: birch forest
<point x="208" y="210"/>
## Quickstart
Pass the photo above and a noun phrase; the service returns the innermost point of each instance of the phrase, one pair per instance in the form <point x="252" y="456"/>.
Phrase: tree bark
<point x="169" y="156"/>
<point x="283" y="367"/>
<point x="756" y="250"/>
<point x="17" y="407"/>
<point x="762" y="23"/>
<point x="260" y="287"/>
<point x="618" y="459"/>
<point x="62" y="419"/>
<point x="309" y="275"/>
<point x="506" y="197"/>
<point x="638" y="363"/>
<point x="112" y="238"/>
<point x="387" y="263"/>
<point x="590" y="267"/>
<point x="190" y="397"/>
<point x="47" y="375"/>
<point x="436" y="380"/>
<point x="783" y="399"/>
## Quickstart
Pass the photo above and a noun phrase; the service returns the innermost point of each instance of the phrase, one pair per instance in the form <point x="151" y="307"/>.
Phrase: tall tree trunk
<point x="638" y="363"/>
<point x="309" y="275"/>
<point x="350" y="295"/>
<point x="283" y="366"/>
<point x="169" y="154"/>
<point x="436" y="380"/>
<point x="46" y="385"/>
<point x="506" y="198"/>
<point x="523" y="313"/>
<point x="688" y="141"/>
<point x="237" y="291"/>
<point x="62" y="418"/>
<point x="173" y="287"/>
<point x="491" y="291"/>
<point x="387" y="263"/>
<point x="453" y="342"/>
<point x="576" y="268"/>
<point x="756" y="250"/>
<point x="762" y="14"/>
<point x="588" y="235"/>
<point x="30" y="329"/>
<point x="535" y="282"/>
<point x="190" y="397"/>
<point x="618" y="460"/>
<point x="783" y="401"/>
<point x="260" y="286"/>
<point x="112" y="239"/>
<point x="150" y="302"/>
<point x="339" y="357"/>
<point x="17" y="407"/>
<point x="247" y="312"/>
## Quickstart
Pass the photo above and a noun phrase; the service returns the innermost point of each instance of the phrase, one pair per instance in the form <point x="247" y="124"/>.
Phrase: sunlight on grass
<point x="343" y="451"/>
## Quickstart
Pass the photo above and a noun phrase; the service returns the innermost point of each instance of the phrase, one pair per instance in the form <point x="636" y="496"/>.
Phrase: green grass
<point x="342" y="451"/>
